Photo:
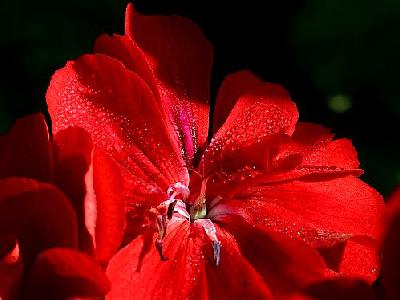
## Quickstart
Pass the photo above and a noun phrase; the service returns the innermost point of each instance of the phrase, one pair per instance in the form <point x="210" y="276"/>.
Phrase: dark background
<point x="338" y="59"/>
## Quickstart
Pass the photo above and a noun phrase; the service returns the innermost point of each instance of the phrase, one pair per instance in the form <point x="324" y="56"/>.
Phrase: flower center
<point x="197" y="213"/>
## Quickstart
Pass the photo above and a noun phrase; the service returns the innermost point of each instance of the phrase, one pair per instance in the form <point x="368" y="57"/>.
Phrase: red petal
<point x="11" y="272"/>
<point x="39" y="215"/>
<point x="321" y="213"/>
<point x="94" y="183"/>
<point x="310" y="133"/>
<point x="280" y="158"/>
<point x="355" y="257"/>
<point x="391" y="249"/>
<point x="109" y="204"/>
<point x="117" y="108"/>
<point x="60" y="273"/>
<point x="232" y="88"/>
<point x="286" y="264"/>
<point x="339" y="154"/>
<point x="177" y="48"/>
<point x="137" y="271"/>
<point x="235" y="277"/>
<point x="181" y="59"/>
<point x="319" y="151"/>
<point x="260" y="113"/>
<point x="72" y="159"/>
<point x="130" y="54"/>
<point x="25" y="151"/>
<point x="343" y="289"/>
<point x="321" y="158"/>
<point x="189" y="273"/>
<point x="338" y="207"/>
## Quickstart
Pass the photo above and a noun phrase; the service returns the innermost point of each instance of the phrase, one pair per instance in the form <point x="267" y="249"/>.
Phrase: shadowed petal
<point x="11" y="269"/>
<point x="25" y="150"/>
<point x="60" y="273"/>
<point x="93" y="182"/>
<point x="38" y="214"/>
<point x="391" y="249"/>
<point x="343" y="289"/>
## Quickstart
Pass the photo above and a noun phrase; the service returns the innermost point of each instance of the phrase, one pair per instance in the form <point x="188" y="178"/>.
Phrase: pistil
<point x="199" y="210"/>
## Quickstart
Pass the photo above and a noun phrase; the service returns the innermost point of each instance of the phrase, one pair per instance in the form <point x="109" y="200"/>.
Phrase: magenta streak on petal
<point x="187" y="136"/>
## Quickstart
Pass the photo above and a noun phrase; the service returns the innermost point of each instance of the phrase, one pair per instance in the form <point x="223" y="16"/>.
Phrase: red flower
<point x="40" y="231"/>
<point x="268" y="206"/>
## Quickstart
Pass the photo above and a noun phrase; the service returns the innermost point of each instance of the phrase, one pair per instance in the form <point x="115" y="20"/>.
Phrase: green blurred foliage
<point x="349" y="45"/>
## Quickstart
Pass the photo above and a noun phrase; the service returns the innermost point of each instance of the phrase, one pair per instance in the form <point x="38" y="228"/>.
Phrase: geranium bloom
<point x="267" y="206"/>
<point x="41" y="229"/>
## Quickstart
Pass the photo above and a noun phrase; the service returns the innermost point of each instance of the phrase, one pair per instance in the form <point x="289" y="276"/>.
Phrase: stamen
<point x="209" y="229"/>
<point x="217" y="252"/>
<point x="162" y="231"/>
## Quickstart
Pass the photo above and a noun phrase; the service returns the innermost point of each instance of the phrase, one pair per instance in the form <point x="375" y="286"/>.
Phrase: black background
<point x="317" y="49"/>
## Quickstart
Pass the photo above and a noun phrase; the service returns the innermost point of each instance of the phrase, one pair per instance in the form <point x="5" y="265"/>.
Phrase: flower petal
<point x="25" y="151"/>
<point x="278" y="158"/>
<point x="232" y="88"/>
<point x="117" y="108"/>
<point x="93" y="182"/>
<point x="321" y="213"/>
<point x="110" y="206"/>
<point x="356" y="257"/>
<point x="235" y="277"/>
<point x="129" y="53"/>
<point x="11" y="272"/>
<point x="60" y="273"/>
<point x="38" y="214"/>
<point x="259" y="114"/>
<point x="343" y="289"/>
<point x="285" y="263"/>
<point x="137" y="270"/>
<point x="346" y="206"/>
<point x="72" y="149"/>
<point x="181" y="59"/>
<point x="189" y="273"/>
<point x="391" y="248"/>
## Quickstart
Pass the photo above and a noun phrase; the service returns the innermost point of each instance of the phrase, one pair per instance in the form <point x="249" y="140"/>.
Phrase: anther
<point x="171" y="209"/>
